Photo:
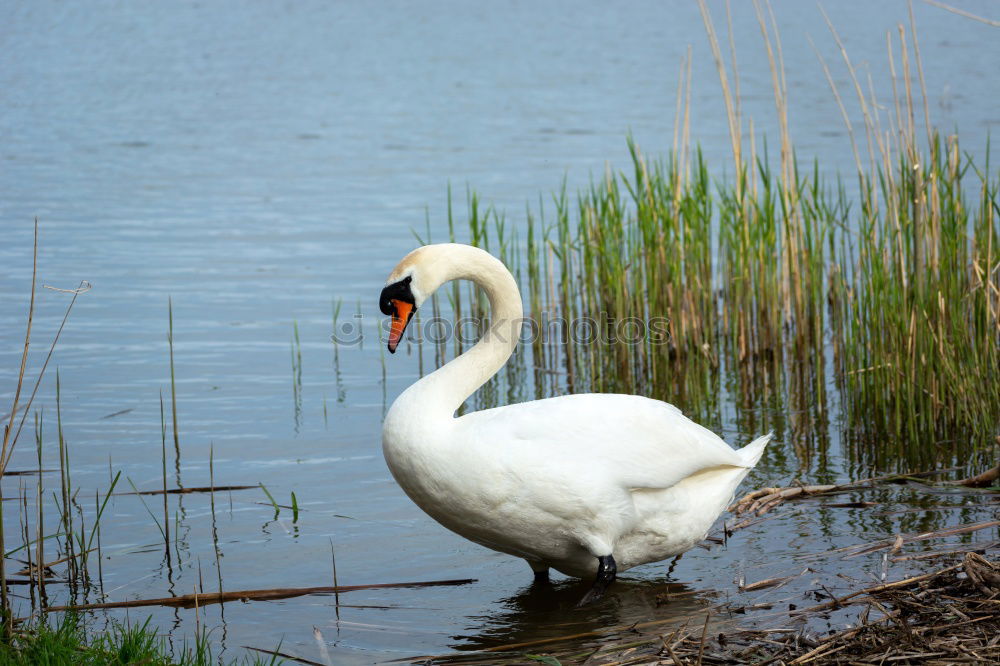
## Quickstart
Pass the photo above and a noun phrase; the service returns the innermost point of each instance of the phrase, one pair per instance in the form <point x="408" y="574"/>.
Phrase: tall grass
<point x="75" y="533"/>
<point x="921" y="318"/>
<point x="11" y="435"/>
<point x="67" y="642"/>
<point x="776" y="285"/>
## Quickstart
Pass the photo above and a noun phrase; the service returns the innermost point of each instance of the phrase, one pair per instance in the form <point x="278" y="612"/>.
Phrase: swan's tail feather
<point x="752" y="452"/>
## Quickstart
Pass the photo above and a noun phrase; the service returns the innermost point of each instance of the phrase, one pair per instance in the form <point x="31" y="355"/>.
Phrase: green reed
<point x="774" y="287"/>
<point x="296" y="355"/>
<point x="921" y="317"/>
<point x="173" y="389"/>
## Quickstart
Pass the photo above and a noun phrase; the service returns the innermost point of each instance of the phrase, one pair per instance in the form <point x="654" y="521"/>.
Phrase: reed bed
<point x="776" y="289"/>
<point x="678" y="289"/>
<point x="58" y="554"/>
<point x="58" y="579"/>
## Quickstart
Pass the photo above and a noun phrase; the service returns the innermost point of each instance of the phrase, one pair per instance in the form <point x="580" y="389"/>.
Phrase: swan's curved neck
<point x="442" y="392"/>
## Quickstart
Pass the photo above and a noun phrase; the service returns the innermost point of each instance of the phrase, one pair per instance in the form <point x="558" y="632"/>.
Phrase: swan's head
<point x="425" y="269"/>
<point x="409" y="284"/>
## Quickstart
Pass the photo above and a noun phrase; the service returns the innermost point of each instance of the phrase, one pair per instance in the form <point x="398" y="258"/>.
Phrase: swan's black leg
<point x="606" y="570"/>
<point x="540" y="570"/>
<point x="673" y="564"/>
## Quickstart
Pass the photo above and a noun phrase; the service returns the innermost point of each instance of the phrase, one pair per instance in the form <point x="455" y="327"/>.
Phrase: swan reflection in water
<point x="540" y="614"/>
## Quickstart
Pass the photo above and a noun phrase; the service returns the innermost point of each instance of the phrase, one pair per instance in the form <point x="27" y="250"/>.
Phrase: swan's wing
<point x="633" y="441"/>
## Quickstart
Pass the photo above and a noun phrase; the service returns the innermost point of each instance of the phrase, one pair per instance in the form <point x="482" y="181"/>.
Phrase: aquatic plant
<point x="775" y="286"/>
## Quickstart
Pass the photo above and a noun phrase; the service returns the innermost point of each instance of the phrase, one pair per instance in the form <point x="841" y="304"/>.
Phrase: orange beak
<point x="401" y="314"/>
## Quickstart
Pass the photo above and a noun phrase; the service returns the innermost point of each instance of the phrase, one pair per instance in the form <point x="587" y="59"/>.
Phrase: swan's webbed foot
<point x="606" y="570"/>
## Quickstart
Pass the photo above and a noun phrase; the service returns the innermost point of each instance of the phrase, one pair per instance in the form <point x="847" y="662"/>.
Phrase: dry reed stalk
<point x="735" y="134"/>
<point x="962" y="12"/>
<point x="8" y="445"/>
<point x="198" y="599"/>
<point x="189" y="490"/>
<point x="284" y="655"/>
<point x="763" y="499"/>
<point x="984" y="480"/>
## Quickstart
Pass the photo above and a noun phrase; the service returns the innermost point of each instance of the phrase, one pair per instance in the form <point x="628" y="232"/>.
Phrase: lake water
<point x="254" y="162"/>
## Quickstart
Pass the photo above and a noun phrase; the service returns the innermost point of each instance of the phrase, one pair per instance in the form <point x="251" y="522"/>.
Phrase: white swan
<point x="587" y="484"/>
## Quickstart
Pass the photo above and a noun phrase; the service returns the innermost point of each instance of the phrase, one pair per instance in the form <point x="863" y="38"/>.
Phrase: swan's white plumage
<point x="559" y="481"/>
